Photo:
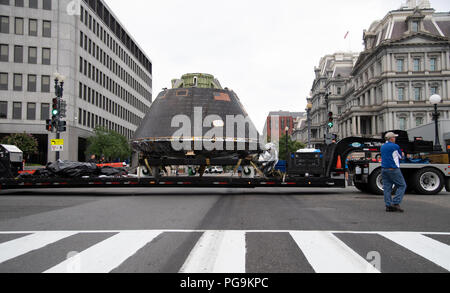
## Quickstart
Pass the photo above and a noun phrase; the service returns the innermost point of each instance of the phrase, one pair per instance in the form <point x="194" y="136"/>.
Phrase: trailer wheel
<point x="447" y="184"/>
<point x="376" y="182"/>
<point x="428" y="181"/>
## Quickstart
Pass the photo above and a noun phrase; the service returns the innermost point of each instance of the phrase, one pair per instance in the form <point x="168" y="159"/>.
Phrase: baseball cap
<point x="390" y="135"/>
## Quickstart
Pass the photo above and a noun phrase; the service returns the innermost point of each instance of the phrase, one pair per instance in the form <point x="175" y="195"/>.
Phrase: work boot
<point x="398" y="208"/>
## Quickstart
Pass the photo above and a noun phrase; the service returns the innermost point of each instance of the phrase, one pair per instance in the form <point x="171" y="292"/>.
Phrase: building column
<point x="349" y="127"/>
<point x="388" y="121"/>
<point x="411" y="120"/>
<point x="410" y="92"/>
<point x="393" y="125"/>
<point x="374" y="125"/>
<point x="359" y="125"/>
<point x="354" y="126"/>
<point x="389" y="62"/>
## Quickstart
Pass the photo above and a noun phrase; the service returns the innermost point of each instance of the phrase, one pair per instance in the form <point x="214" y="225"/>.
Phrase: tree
<point x="293" y="146"/>
<point x="108" y="144"/>
<point x="27" y="143"/>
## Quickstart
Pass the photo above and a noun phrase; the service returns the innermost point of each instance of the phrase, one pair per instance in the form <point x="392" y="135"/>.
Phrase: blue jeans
<point x="391" y="178"/>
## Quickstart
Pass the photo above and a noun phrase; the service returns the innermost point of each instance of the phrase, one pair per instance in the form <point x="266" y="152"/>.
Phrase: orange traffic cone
<point x="339" y="163"/>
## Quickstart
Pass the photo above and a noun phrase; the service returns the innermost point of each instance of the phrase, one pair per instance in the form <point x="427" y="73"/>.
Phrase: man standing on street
<point x="391" y="154"/>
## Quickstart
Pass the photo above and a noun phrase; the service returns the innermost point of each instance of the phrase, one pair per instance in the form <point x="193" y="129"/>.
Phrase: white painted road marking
<point x="328" y="254"/>
<point x="108" y="254"/>
<point x="23" y="245"/>
<point x="217" y="252"/>
<point x="433" y="250"/>
<point x="222" y="251"/>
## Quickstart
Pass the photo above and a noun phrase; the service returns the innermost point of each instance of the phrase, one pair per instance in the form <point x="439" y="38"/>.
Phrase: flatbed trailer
<point x="328" y="172"/>
<point x="167" y="182"/>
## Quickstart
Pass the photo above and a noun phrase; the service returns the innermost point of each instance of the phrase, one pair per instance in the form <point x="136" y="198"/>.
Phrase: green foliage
<point x="109" y="144"/>
<point x="293" y="146"/>
<point x="24" y="141"/>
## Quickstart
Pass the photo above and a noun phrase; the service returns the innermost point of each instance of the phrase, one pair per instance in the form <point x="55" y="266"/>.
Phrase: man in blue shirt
<point x="391" y="154"/>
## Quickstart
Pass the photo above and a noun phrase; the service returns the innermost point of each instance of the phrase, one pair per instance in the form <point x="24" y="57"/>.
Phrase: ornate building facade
<point x="406" y="59"/>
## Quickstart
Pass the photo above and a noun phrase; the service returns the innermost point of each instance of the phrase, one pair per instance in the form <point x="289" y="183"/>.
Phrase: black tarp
<point x="68" y="169"/>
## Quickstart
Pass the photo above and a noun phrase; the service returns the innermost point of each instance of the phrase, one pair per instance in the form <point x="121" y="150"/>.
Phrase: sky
<point x="264" y="50"/>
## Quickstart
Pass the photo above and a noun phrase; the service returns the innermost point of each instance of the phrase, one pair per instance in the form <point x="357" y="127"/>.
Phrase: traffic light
<point x="63" y="109"/>
<point x="49" y="125"/>
<point x="330" y="120"/>
<point x="55" y="107"/>
<point x="62" y="127"/>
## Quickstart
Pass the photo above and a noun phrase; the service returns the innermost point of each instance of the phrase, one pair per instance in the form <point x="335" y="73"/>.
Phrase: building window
<point x="339" y="91"/>
<point x="18" y="82"/>
<point x="4" y="24"/>
<point x="17" y="111"/>
<point x="400" y="65"/>
<point x="47" y="5"/>
<point x="18" y="27"/>
<point x="18" y="54"/>
<point x="416" y="65"/>
<point x="434" y="90"/>
<point x="45" y="56"/>
<point x="4" y="81"/>
<point x="433" y="62"/>
<point x="33" y="4"/>
<point x="415" y="26"/>
<point x="4" y="53"/>
<point x="402" y="123"/>
<point x="419" y="121"/>
<point x="45" y="84"/>
<point x="45" y="112"/>
<point x="46" y="29"/>
<point x="31" y="111"/>
<point x="31" y="83"/>
<point x="32" y="55"/>
<point x="19" y="3"/>
<point x="33" y="27"/>
<point x="401" y="94"/>
<point x="417" y="94"/>
<point x="3" y="110"/>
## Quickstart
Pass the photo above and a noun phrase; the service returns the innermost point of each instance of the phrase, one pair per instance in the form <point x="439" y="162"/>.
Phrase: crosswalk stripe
<point x="433" y="250"/>
<point x="217" y="252"/>
<point x="20" y="246"/>
<point x="327" y="254"/>
<point x="106" y="255"/>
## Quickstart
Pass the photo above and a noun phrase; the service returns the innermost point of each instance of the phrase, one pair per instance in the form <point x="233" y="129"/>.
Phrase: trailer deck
<point x="189" y="182"/>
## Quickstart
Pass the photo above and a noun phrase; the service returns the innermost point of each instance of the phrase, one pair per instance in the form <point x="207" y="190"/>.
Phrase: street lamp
<point x="308" y="118"/>
<point x="287" y="141"/>
<point x="435" y="100"/>
<point x="59" y="90"/>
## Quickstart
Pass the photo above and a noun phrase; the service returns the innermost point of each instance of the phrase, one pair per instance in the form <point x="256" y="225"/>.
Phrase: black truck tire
<point x="375" y="183"/>
<point x="428" y="181"/>
<point x="447" y="184"/>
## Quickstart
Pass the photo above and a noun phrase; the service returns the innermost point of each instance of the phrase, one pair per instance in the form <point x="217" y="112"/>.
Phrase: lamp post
<point x="435" y="100"/>
<point x="308" y="118"/>
<point x="287" y="141"/>
<point x="59" y="89"/>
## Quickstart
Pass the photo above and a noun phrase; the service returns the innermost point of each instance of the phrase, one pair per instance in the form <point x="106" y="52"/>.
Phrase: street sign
<point x="57" y="148"/>
<point x="57" y="142"/>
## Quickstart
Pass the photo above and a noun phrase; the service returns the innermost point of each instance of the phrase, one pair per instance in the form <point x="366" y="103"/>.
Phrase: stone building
<point x="406" y="59"/>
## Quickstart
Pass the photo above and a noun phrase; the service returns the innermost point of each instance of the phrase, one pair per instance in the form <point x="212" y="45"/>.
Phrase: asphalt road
<point x="221" y="230"/>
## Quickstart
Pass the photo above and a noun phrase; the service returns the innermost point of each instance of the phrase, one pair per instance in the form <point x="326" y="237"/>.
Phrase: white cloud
<point x="265" y="50"/>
